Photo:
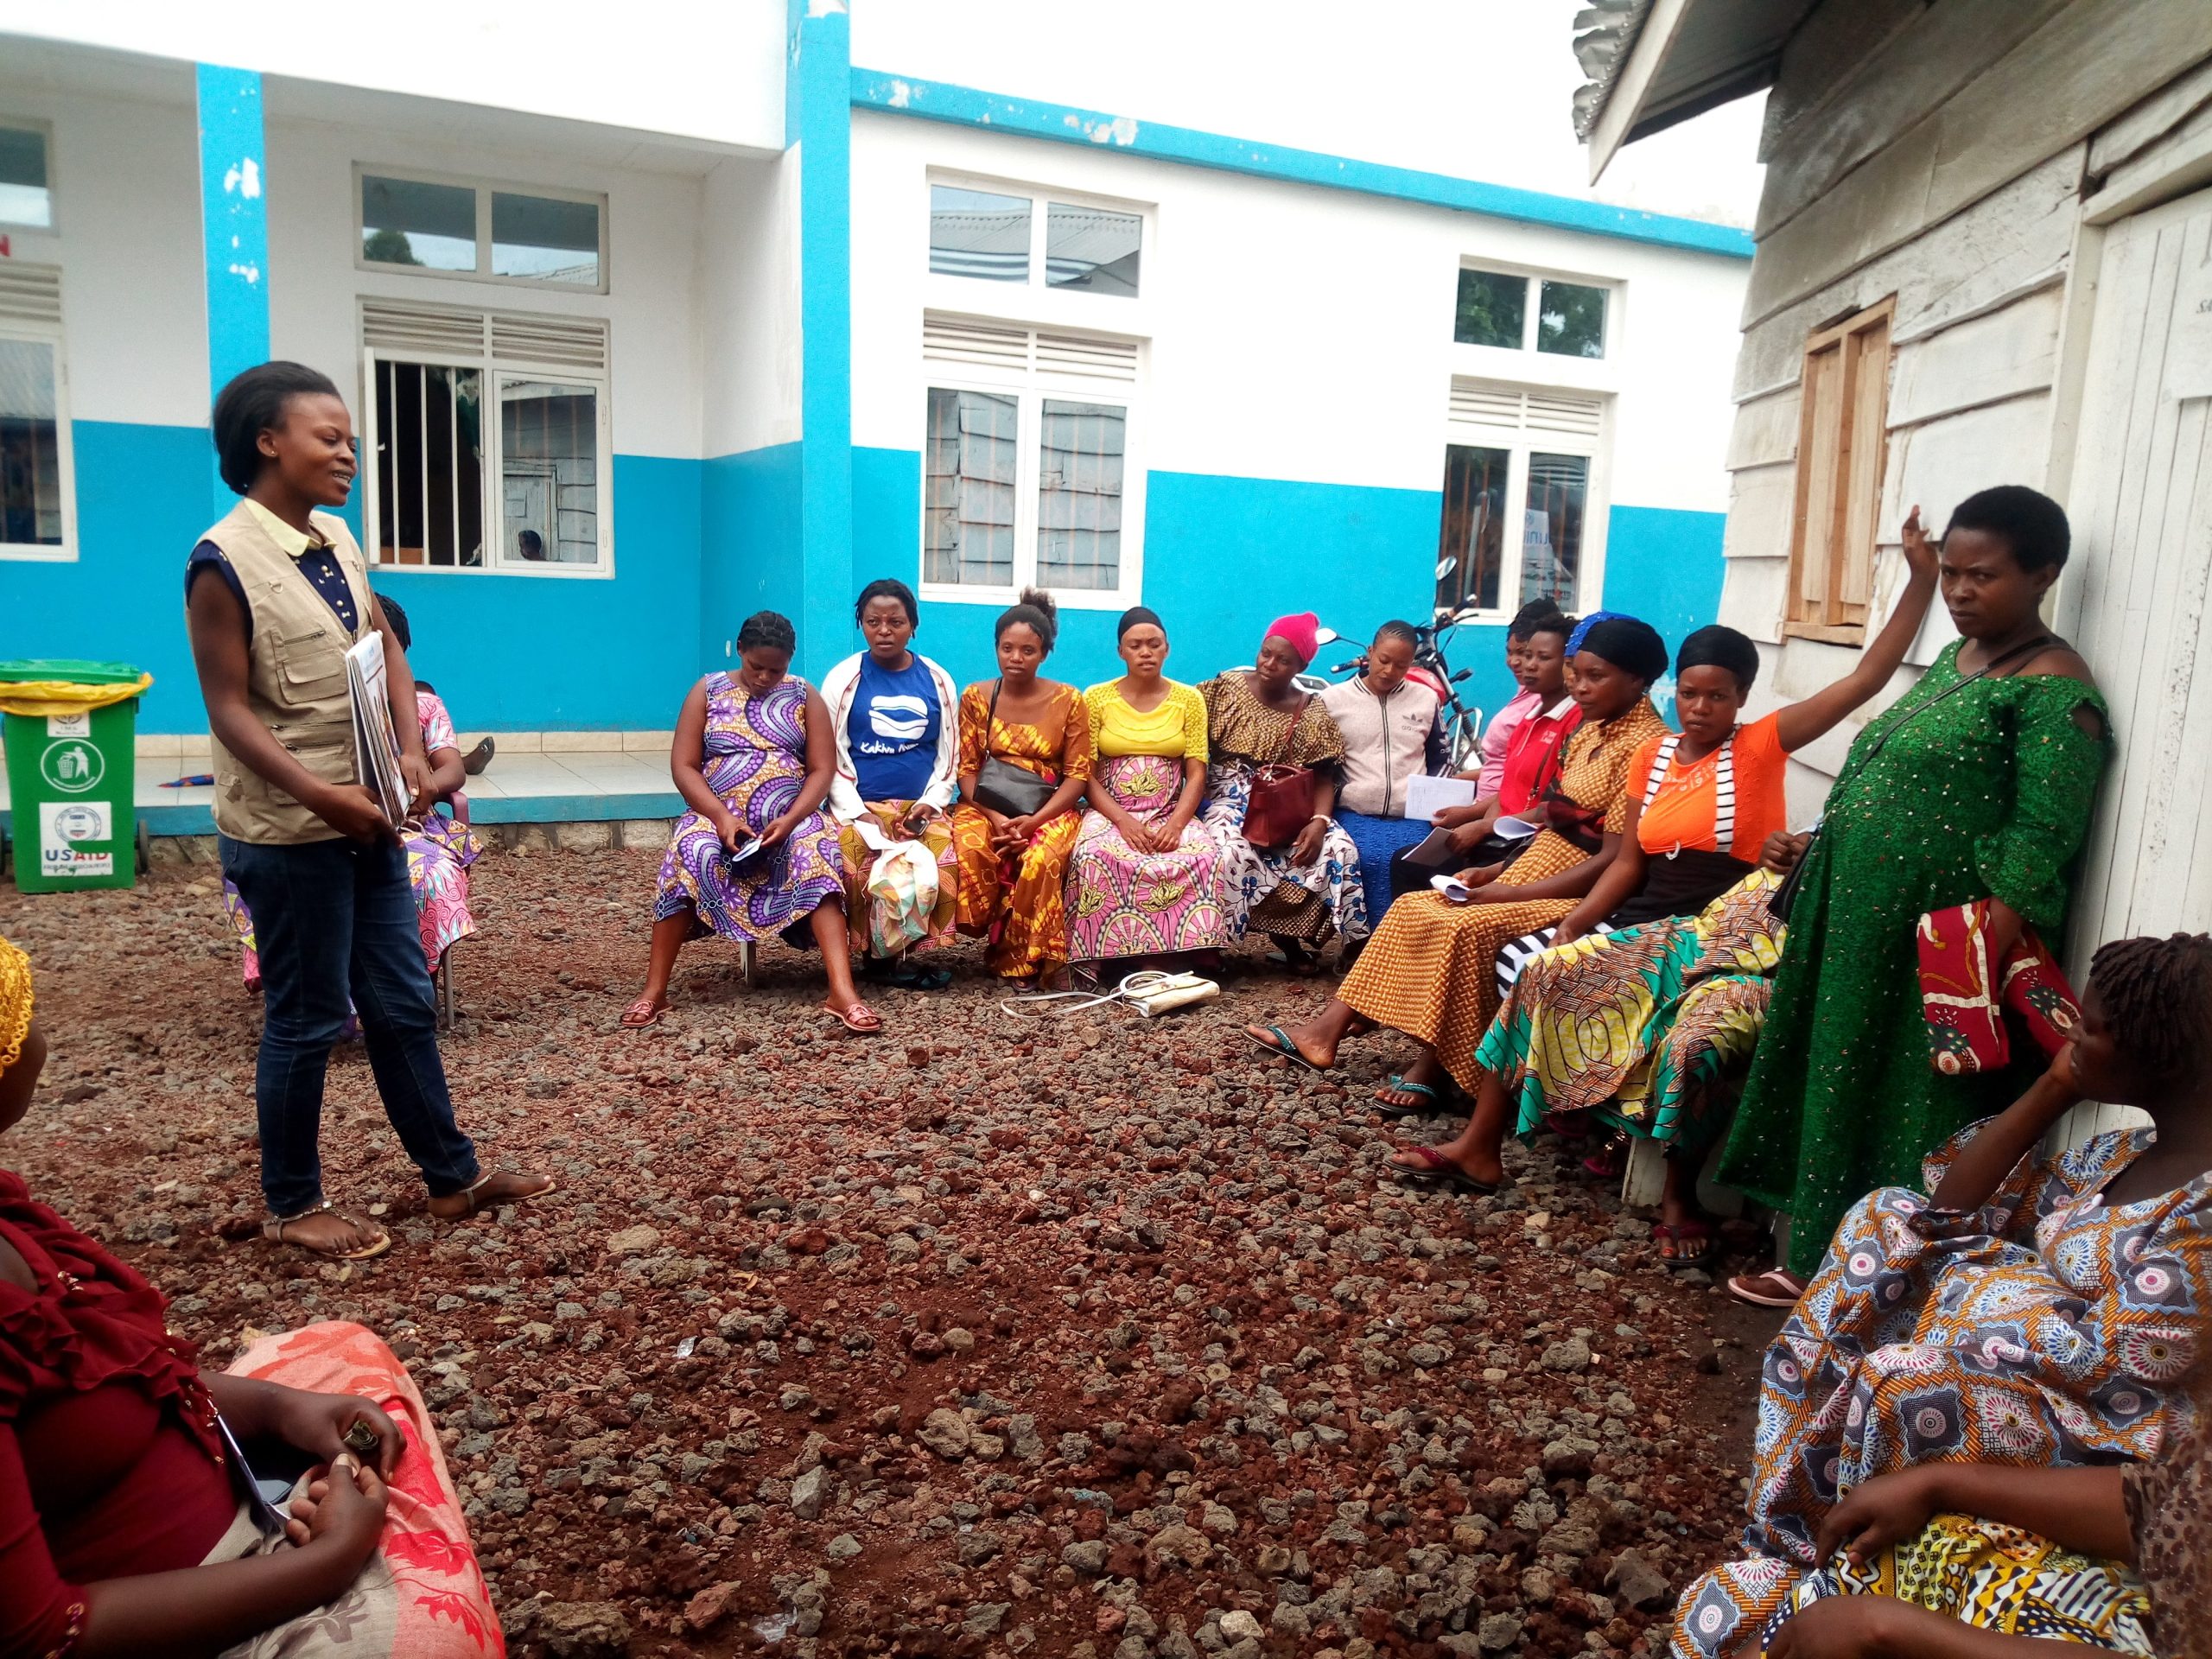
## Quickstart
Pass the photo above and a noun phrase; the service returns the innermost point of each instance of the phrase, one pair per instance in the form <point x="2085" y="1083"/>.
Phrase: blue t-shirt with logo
<point x="893" y="730"/>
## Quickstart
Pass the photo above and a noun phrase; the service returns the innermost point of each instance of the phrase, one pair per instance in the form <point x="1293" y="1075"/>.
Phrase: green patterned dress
<point x="1988" y="793"/>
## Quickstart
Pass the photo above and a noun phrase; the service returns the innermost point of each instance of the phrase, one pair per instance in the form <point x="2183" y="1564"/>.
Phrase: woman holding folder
<point x="313" y="853"/>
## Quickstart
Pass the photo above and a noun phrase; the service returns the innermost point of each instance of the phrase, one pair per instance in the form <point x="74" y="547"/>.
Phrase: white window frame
<point x="45" y="131"/>
<point x="1030" y="388"/>
<point x="1532" y="311"/>
<point x="484" y="189"/>
<point x="496" y="370"/>
<point x="963" y="291"/>
<point x="1521" y="442"/>
<point x="30" y="310"/>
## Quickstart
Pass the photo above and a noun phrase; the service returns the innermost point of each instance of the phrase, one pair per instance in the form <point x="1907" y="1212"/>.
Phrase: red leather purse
<point x="1281" y="802"/>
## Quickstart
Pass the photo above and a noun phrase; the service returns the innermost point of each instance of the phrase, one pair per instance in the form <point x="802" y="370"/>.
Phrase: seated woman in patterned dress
<point x="1431" y="969"/>
<point x="1013" y="853"/>
<point x="1145" y="880"/>
<point x="2032" y="1312"/>
<point x="1973" y="1561"/>
<point x="440" y="848"/>
<point x="123" y="1529"/>
<point x="752" y="757"/>
<point x="1306" y="891"/>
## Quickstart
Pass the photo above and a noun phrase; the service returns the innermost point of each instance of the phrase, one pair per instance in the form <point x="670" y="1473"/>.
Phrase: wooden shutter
<point x="1842" y="438"/>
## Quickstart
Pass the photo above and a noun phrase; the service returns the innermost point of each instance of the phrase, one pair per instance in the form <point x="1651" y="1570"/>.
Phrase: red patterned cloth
<point x="1964" y="999"/>
<point x="422" y="1596"/>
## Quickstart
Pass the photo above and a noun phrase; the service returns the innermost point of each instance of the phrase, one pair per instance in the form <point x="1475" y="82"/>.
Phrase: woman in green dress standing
<point x="1978" y="782"/>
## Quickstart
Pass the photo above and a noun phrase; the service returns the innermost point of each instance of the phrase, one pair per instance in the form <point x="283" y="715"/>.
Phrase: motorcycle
<point x="1462" y="721"/>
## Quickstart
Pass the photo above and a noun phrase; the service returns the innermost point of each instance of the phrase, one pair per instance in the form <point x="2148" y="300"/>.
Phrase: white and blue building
<point x="646" y="329"/>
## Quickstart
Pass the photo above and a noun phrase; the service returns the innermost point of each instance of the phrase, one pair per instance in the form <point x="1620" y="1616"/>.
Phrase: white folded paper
<point x="1427" y="796"/>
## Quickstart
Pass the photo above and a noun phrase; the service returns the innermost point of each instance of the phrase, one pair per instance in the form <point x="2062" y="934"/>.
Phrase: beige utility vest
<point x="296" y="678"/>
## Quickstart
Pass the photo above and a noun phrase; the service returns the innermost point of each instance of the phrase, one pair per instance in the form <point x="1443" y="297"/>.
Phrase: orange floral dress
<point x="1016" y="902"/>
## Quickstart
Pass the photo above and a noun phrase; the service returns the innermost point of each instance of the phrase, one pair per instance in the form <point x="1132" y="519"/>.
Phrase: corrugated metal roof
<point x="1708" y="53"/>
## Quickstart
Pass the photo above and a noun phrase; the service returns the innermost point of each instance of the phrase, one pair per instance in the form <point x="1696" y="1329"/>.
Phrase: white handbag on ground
<point x="1150" y="993"/>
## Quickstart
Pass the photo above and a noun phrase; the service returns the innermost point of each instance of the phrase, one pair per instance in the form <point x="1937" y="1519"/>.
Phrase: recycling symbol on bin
<point x="72" y="765"/>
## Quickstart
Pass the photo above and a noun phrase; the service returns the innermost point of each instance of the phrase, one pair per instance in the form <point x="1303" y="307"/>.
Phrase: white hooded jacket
<point x="839" y="687"/>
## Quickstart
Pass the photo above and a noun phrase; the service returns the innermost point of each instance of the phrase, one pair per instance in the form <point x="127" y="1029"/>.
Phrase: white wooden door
<point x="2142" y="515"/>
<point x="2143" y="534"/>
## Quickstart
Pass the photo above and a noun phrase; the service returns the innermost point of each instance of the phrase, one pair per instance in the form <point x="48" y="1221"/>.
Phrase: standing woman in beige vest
<point x="309" y="850"/>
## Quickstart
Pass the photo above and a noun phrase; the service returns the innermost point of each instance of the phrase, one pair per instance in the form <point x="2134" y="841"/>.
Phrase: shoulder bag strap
<point x="1955" y="686"/>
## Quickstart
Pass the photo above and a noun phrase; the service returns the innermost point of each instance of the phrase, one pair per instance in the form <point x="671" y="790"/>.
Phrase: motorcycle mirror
<point x="1447" y="565"/>
<point x="1326" y="636"/>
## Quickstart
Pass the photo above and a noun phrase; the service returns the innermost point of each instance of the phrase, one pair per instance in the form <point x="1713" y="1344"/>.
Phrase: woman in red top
<point x="124" y="1527"/>
<point x="1531" y="753"/>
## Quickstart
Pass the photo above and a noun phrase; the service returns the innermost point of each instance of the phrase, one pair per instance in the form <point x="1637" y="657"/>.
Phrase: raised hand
<point x="1920" y="554"/>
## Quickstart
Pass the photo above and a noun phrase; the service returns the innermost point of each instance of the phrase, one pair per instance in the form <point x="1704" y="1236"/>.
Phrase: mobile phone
<point x="266" y="1474"/>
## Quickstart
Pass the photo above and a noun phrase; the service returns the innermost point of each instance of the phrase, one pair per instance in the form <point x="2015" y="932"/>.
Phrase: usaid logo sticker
<point x="72" y="765"/>
<point x="62" y="823"/>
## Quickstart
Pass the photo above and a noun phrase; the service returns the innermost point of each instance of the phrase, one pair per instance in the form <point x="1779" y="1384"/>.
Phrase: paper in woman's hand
<point x="1427" y="796"/>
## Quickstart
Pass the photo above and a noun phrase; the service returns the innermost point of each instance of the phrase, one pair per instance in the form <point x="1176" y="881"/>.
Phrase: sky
<point x="1479" y="89"/>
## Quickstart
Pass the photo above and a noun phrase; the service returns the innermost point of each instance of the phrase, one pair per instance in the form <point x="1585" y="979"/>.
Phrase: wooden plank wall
<point x="1947" y="163"/>
<point x="1944" y="165"/>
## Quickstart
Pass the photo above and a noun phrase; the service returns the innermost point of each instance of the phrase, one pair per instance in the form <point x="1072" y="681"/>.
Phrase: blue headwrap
<point x="1575" y="640"/>
<point x="1628" y="643"/>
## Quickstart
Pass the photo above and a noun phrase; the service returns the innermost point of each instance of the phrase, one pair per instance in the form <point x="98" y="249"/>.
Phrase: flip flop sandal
<point x="1690" y="1232"/>
<point x="1437" y="1171"/>
<point x="911" y="976"/>
<point x="477" y="1203"/>
<point x="1277" y="1041"/>
<point x="653" y="1011"/>
<point x="273" y="1230"/>
<point x="1608" y="1162"/>
<point x="1752" y="1288"/>
<point x="848" y="1017"/>
<point x="1433" y="1099"/>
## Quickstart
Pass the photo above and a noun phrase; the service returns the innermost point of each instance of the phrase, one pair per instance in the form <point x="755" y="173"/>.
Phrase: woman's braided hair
<point x="2157" y="997"/>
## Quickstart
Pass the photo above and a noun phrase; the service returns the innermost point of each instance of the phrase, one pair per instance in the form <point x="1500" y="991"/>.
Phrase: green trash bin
<point x="72" y="822"/>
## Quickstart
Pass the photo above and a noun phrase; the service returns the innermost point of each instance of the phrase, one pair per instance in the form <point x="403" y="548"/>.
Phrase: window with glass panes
<point x="26" y="185"/>
<point x="489" y="233"/>
<point x="485" y="442"/>
<point x="1519" y="312"/>
<point x="37" y="483"/>
<point x="1520" y="466"/>
<point x="1027" y="478"/>
<point x="1042" y="238"/>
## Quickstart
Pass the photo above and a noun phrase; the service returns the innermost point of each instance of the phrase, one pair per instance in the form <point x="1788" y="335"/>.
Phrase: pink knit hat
<point x="1300" y="633"/>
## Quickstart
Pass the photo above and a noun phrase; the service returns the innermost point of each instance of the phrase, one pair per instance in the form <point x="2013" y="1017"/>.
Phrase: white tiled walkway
<point x="536" y="777"/>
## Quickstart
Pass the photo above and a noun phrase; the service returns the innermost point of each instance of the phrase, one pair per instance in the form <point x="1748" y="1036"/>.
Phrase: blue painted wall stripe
<point x="233" y="227"/>
<point x="873" y="89"/>
<point x="817" y="117"/>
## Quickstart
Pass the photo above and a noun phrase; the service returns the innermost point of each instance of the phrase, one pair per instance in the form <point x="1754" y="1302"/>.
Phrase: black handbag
<point x="1005" y="788"/>
<point x="1780" y="902"/>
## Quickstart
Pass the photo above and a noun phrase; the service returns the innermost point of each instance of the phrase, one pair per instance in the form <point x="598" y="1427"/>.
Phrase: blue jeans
<point x="331" y="917"/>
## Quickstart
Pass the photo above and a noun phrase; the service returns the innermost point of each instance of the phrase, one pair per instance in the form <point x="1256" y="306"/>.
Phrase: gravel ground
<point x="1093" y="1337"/>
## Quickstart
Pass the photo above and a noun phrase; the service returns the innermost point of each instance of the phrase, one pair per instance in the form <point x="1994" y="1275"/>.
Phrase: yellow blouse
<point x="1177" y="728"/>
